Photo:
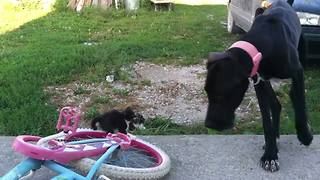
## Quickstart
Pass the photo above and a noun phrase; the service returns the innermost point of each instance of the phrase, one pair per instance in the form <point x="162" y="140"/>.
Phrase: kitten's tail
<point x="94" y="123"/>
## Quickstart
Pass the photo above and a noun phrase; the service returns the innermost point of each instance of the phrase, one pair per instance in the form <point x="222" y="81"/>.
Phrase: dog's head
<point x="225" y="85"/>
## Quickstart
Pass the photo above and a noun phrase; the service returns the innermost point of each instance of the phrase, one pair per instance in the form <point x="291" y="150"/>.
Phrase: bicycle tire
<point x="116" y="172"/>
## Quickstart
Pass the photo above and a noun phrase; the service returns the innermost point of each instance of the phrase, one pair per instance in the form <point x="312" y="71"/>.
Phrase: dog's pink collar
<point x="255" y="55"/>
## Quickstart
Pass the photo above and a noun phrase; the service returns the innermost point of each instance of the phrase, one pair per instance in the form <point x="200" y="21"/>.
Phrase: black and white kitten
<point x="118" y="121"/>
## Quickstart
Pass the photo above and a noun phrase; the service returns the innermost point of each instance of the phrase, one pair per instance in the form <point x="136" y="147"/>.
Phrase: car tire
<point x="231" y="25"/>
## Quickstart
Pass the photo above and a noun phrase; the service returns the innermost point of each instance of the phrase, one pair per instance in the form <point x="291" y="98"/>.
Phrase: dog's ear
<point x="215" y="56"/>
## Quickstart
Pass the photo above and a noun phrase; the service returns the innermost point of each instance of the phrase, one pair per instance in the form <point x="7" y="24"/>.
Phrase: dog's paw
<point x="270" y="164"/>
<point x="305" y="135"/>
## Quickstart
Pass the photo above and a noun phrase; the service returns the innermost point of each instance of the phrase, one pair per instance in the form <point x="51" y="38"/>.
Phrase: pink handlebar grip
<point x="71" y="117"/>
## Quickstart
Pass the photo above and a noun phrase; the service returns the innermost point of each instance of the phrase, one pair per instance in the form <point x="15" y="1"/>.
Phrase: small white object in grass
<point x="110" y="78"/>
<point x="87" y="43"/>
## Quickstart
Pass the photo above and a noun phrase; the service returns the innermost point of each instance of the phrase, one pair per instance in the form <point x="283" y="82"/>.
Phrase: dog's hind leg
<point x="297" y="95"/>
<point x="269" y="160"/>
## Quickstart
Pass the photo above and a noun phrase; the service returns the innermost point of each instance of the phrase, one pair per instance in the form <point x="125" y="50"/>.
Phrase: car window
<point x="310" y="6"/>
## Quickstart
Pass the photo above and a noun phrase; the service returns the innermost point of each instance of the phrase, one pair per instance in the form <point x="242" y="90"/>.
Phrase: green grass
<point x="39" y="49"/>
<point x="313" y="97"/>
<point x="312" y="81"/>
<point x="81" y="90"/>
<point x="92" y="112"/>
<point x="101" y="99"/>
<point x="51" y="50"/>
<point x="121" y="92"/>
<point x="164" y="126"/>
<point x="146" y="82"/>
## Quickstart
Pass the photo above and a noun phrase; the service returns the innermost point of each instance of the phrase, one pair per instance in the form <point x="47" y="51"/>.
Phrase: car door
<point x="243" y="12"/>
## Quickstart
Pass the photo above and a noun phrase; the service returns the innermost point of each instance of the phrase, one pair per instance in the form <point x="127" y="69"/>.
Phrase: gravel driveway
<point x="175" y="92"/>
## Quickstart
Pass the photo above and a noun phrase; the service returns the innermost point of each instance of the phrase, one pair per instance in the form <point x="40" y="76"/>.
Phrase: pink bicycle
<point x="85" y="154"/>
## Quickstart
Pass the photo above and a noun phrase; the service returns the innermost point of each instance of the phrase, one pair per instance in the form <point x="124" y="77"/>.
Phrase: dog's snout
<point x="219" y="118"/>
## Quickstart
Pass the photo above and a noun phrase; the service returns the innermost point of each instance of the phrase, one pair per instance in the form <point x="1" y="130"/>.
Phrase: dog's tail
<point x="290" y="2"/>
<point x="94" y="123"/>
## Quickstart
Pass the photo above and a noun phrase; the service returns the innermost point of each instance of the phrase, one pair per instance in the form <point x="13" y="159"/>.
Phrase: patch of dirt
<point x="175" y="92"/>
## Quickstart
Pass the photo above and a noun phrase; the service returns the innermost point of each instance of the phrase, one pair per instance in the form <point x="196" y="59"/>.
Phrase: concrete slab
<point x="206" y="157"/>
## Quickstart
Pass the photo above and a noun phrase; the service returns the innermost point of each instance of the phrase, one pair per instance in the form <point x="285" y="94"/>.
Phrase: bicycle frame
<point x="31" y="164"/>
<point x="38" y="155"/>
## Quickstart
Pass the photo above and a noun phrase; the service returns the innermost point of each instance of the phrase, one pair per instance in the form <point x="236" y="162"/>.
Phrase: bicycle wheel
<point x="141" y="160"/>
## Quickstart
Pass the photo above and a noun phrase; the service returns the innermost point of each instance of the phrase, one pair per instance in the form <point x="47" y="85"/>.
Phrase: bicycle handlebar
<point x="71" y="116"/>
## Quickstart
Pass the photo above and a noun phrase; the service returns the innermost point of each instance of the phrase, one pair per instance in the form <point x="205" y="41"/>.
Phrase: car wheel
<point x="231" y="26"/>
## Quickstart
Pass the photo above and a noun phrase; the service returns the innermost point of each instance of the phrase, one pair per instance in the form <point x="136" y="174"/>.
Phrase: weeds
<point x="164" y="126"/>
<point x="145" y="82"/>
<point x="121" y="92"/>
<point x="81" y="90"/>
<point x="91" y="113"/>
<point x="101" y="99"/>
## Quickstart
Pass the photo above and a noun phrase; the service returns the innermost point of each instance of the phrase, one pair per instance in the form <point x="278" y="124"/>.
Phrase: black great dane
<point x="268" y="50"/>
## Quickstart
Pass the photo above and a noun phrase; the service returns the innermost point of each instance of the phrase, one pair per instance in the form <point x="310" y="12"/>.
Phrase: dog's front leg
<point x="297" y="95"/>
<point x="269" y="160"/>
<point x="275" y="108"/>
